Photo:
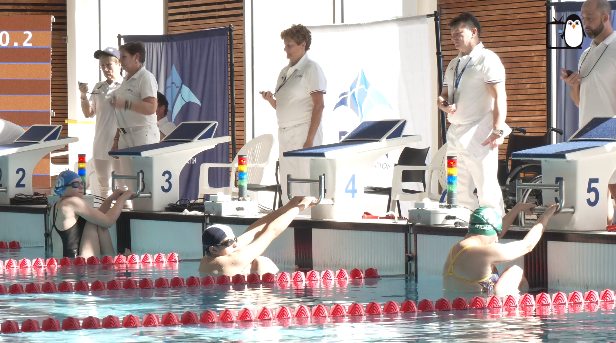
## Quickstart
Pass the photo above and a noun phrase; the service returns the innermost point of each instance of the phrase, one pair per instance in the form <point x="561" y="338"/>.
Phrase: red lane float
<point x="37" y="263"/>
<point x="150" y="320"/>
<point x="120" y="259"/>
<point x="4" y="245"/>
<point x="11" y="264"/>
<point x="408" y="306"/>
<point x="208" y="280"/>
<point x="527" y="300"/>
<point x="442" y="304"/>
<point x="298" y="277"/>
<point x="160" y="258"/>
<point x="189" y="318"/>
<point x="302" y="311"/>
<point x="371" y="273"/>
<point x="559" y="298"/>
<point x="93" y="260"/>
<point x="338" y="311"/>
<point x="111" y="322"/>
<point x="51" y="324"/>
<point x="606" y="295"/>
<point x="10" y="326"/>
<point x="284" y="313"/>
<point x="265" y="314"/>
<point x="320" y="311"/>
<point x="147" y="258"/>
<point x="33" y="288"/>
<point x="327" y="275"/>
<point x="511" y="301"/>
<point x="391" y="307"/>
<point x="80" y="261"/>
<point x="178" y="282"/>
<point x="113" y="285"/>
<point x="357" y="274"/>
<point x="543" y="299"/>
<point x="313" y="275"/>
<point x="81" y="286"/>
<point x="591" y="297"/>
<point x="425" y="305"/>
<point x="459" y="304"/>
<point x="30" y="325"/>
<point x="207" y="317"/>
<point x="355" y="309"/>
<point x="161" y="282"/>
<point x="283" y="277"/>
<point x="49" y="287"/>
<point x="71" y="323"/>
<point x="16" y="289"/>
<point x="193" y="281"/>
<point x="65" y="286"/>
<point x="51" y="262"/>
<point x="173" y="258"/>
<point x="494" y="302"/>
<point x="226" y="316"/>
<point x="131" y="321"/>
<point x="106" y="260"/>
<point x="238" y="279"/>
<point x="576" y="298"/>
<point x="245" y="315"/>
<point x="14" y="245"/>
<point x="253" y="278"/>
<point x="373" y="308"/>
<point x="91" y="323"/>
<point x="133" y="259"/>
<point x="268" y="278"/>
<point x="66" y="262"/>
<point x="342" y="274"/>
<point x="130" y="284"/>
<point x="98" y="285"/>
<point x="223" y="280"/>
<point x="25" y="263"/>
<point x="477" y="303"/>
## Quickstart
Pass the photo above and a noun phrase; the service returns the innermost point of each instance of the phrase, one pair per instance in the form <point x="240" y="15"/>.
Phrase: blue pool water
<point x="444" y="326"/>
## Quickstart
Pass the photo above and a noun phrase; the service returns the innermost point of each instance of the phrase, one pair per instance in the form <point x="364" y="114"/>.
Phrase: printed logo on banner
<point x="362" y="97"/>
<point x="177" y="93"/>
<point x="571" y="31"/>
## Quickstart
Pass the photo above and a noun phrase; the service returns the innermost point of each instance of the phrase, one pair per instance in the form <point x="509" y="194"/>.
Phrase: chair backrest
<point x="440" y="160"/>
<point x="523" y="142"/>
<point x="258" y="151"/>
<point x="413" y="157"/>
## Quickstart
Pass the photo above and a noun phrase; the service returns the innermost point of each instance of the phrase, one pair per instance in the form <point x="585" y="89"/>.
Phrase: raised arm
<point x="96" y="217"/>
<point x="266" y="229"/>
<point x="510" y="217"/>
<point x="501" y="253"/>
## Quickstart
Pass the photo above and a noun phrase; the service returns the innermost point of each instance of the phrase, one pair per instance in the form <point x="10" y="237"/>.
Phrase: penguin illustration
<point x="574" y="32"/>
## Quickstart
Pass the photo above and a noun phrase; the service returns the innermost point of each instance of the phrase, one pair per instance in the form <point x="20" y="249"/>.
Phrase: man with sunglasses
<point x="470" y="262"/>
<point x="229" y="255"/>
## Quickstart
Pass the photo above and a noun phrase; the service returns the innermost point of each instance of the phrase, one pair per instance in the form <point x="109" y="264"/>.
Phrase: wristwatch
<point x="499" y="133"/>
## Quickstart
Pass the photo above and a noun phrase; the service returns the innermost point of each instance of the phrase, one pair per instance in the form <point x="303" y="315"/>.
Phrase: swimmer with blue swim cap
<point x="470" y="262"/>
<point x="226" y="254"/>
<point x="82" y="228"/>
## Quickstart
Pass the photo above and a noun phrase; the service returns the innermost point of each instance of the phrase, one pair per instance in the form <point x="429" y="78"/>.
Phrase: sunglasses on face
<point x="76" y="184"/>
<point x="229" y="242"/>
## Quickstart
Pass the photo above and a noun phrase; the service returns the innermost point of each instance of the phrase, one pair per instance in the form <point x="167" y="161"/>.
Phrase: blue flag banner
<point x="192" y="70"/>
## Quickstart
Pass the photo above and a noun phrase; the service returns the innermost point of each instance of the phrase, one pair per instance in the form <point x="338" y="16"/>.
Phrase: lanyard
<point x="285" y="80"/>
<point x="458" y="77"/>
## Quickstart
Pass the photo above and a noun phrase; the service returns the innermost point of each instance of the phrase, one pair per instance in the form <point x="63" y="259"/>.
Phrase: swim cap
<point x="215" y="235"/>
<point x="485" y="221"/>
<point x="64" y="179"/>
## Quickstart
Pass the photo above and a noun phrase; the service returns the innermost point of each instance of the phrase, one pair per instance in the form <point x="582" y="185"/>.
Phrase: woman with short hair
<point x="135" y="103"/>
<point x="298" y="101"/>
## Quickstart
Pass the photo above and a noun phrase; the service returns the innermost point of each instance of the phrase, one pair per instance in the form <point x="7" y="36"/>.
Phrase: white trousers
<point x="103" y="169"/>
<point x="475" y="169"/>
<point x="133" y="139"/>
<point x="293" y="138"/>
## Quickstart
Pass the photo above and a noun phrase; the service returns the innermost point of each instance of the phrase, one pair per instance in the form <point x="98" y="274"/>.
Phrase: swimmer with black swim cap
<point x="226" y="254"/>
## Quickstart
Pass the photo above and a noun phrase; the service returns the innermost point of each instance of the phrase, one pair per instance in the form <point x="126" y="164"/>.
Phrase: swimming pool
<point x="591" y="323"/>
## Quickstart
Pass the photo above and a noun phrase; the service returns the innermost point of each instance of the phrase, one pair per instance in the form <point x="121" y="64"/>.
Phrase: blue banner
<point x="192" y="70"/>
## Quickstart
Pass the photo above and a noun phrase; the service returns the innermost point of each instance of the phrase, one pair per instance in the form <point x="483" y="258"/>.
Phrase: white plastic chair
<point x="257" y="150"/>
<point x="438" y="165"/>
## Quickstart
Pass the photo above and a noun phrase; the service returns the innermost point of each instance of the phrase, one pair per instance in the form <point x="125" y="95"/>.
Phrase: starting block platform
<point x="18" y="159"/>
<point x="339" y="169"/>
<point x="583" y="166"/>
<point x="156" y="167"/>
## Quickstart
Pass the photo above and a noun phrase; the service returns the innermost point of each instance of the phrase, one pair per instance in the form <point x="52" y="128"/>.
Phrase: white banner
<point x="376" y="71"/>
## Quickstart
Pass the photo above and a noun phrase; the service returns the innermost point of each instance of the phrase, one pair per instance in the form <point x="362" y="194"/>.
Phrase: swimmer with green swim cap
<point x="470" y="262"/>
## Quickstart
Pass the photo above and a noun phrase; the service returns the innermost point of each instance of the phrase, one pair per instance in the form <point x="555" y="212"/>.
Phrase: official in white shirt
<point x="299" y="104"/>
<point x="99" y="105"/>
<point x="593" y="87"/>
<point x="135" y="103"/>
<point x="164" y="125"/>
<point x="9" y="132"/>
<point x="474" y="98"/>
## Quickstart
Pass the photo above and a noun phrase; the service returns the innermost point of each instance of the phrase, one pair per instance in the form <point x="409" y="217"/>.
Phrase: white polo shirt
<point x="165" y="126"/>
<point x="476" y="70"/>
<point x="140" y="86"/>
<point x="598" y="85"/>
<point x="9" y="132"/>
<point x="294" y="88"/>
<point x="106" y="124"/>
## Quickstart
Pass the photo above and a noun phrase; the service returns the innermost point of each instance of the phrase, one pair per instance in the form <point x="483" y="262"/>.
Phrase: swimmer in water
<point x="226" y="254"/>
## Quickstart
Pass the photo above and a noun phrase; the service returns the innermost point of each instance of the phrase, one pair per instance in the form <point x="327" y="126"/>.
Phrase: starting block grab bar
<point x="320" y="181"/>
<point x="559" y="187"/>
<point x="138" y="178"/>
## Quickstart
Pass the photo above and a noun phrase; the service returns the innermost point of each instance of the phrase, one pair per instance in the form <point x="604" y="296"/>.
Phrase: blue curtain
<point x="567" y="113"/>
<point x="192" y="70"/>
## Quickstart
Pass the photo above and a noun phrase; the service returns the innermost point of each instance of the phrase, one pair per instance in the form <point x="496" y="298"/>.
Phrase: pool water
<point x="596" y="324"/>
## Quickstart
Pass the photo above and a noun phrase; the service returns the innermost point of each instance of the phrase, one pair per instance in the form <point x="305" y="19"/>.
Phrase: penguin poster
<point x="572" y="32"/>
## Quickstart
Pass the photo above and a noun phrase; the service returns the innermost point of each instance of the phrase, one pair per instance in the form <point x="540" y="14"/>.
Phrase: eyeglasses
<point x="76" y="184"/>
<point x="229" y="242"/>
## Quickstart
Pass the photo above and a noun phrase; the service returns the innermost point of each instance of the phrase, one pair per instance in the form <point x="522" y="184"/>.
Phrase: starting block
<point x="575" y="174"/>
<point x="18" y="159"/>
<point x="339" y="169"/>
<point x="156" y="167"/>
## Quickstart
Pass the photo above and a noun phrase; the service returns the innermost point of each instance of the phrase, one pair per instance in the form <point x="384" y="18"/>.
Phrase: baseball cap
<point x="110" y="51"/>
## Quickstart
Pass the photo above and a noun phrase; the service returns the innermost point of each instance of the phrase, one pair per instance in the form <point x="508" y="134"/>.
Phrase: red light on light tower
<point x="452" y="180"/>
<point x="81" y="169"/>
<point x="242" y="176"/>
